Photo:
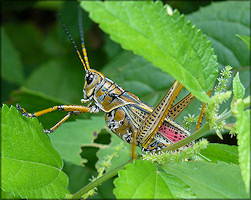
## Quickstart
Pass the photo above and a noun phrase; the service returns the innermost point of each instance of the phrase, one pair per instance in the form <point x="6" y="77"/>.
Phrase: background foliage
<point x="40" y="69"/>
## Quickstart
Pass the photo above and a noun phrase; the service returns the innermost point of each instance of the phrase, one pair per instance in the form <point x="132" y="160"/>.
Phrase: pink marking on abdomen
<point x="171" y="133"/>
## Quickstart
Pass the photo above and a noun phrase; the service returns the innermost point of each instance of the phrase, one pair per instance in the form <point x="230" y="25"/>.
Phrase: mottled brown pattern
<point x="119" y="115"/>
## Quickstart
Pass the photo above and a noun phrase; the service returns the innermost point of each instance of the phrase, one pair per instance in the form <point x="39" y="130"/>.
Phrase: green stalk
<point x="99" y="181"/>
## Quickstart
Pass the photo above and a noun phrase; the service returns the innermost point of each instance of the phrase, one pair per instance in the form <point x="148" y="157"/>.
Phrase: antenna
<point x="80" y="24"/>
<point x="72" y="41"/>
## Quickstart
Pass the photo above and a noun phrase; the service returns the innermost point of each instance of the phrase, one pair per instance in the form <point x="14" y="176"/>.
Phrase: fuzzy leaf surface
<point x="169" y="42"/>
<point x="221" y="152"/>
<point x="210" y="180"/>
<point x="143" y="180"/>
<point x="30" y="166"/>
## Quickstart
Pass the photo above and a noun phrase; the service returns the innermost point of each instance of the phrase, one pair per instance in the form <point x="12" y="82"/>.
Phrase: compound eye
<point x="89" y="78"/>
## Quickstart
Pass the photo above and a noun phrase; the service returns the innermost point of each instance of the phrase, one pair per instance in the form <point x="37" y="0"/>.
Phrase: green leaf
<point x="12" y="69"/>
<point x="169" y="42"/>
<point x="245" y="39"/>
<point x="238" y="88"/>
<point x="142" y="180"/>
<point x="48" y="5"/>
<point x="28" y="40"/>
<point x="70" y="136"/>
<point x="8" y="195"/>
<point x="243" y="136"/>
<point x="30" y="166"/>
<point x="245" y="78"/>
<point x="111" y="48"/>
<point x="210" y="180"/>
<point x="220" y="25"/>
<point x="221" y="152"/>
<point x="58" y="79"/>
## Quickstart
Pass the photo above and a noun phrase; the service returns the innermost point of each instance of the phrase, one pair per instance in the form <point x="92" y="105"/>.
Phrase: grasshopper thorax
<point x="93" y="81"/>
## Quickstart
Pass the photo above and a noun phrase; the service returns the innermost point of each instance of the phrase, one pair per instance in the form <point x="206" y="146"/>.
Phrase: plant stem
<point x="99" y="181"/>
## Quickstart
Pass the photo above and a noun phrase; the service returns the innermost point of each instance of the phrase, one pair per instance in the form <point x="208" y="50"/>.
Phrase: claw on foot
<point x="19" y="107"/>
<point x="27" y="115"/>
<point x="23" y="111"/>
<point x="48" y="131"/>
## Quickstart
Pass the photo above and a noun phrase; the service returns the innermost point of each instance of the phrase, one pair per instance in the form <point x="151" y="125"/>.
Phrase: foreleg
<point x="72" y="109"/>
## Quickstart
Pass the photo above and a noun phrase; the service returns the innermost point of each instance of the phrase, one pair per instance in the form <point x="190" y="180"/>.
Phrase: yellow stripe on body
<point x="151" y="125"/>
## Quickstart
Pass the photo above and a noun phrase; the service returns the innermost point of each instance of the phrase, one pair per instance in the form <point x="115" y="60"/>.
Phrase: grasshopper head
<point x="93" y="80"/>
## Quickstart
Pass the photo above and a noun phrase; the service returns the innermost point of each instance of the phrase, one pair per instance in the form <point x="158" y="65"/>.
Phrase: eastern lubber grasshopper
<point x="132" y="120"/>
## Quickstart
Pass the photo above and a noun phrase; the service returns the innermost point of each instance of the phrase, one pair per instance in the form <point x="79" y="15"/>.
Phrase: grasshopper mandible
<point x="134" y="121"/>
